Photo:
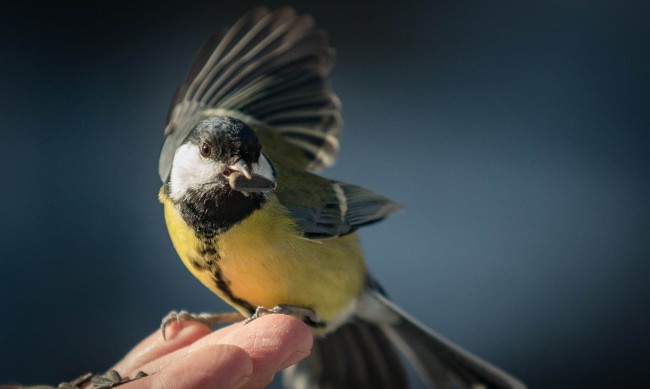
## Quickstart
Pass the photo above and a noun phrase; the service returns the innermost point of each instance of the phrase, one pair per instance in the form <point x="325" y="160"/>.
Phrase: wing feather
<point x="335" y="208"/>
<point x="269" y="68"/>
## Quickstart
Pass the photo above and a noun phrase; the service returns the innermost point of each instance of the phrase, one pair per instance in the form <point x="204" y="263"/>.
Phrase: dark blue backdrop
<point x="516" y="135"/>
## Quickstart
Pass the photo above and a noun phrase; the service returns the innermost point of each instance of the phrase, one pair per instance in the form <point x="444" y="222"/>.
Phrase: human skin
<point x="240" y="355"/>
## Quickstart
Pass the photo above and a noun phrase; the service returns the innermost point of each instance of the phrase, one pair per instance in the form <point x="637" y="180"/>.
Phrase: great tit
<point x="253" y="120"/>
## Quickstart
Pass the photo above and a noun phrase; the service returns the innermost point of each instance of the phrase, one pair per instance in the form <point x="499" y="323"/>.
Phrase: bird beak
<point x="243" y="179"/>
<point x="241" y="167"/>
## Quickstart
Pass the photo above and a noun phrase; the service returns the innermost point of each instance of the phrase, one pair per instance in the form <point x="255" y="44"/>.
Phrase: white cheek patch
<point x="263" y="168"/>
<point x="191" y="170"/>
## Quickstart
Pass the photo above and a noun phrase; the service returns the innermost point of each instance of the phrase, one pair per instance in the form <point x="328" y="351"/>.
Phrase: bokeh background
<point x="515" y="134"/>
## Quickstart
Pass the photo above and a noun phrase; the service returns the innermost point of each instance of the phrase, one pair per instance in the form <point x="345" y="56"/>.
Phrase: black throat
<point x="214" y="211"/>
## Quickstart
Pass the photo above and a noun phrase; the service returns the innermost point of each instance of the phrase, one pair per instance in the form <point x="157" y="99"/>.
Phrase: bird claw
<point x="208" y="319"/>
<point x="307" y="315"/>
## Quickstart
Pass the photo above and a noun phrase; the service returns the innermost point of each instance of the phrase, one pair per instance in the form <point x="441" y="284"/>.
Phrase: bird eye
<point x="206" y="150"/>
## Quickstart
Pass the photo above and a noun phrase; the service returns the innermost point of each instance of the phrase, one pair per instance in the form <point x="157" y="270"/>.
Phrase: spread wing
<point x="332" y="208"/>
<point x="269" y="69"/>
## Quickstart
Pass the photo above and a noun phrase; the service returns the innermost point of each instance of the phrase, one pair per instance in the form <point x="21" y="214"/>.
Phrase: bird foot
<point x="307" y="315"/>
<point x="208" y="319"/>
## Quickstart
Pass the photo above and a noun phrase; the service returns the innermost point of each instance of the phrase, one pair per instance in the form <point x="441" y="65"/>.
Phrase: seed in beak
<point x="241" y="167"/>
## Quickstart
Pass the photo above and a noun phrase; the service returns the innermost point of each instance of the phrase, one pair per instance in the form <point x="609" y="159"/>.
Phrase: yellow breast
<point x="266" y="262"/>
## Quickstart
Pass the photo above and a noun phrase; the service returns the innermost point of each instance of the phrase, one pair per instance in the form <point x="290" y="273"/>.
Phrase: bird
<point x="247" y="132"/>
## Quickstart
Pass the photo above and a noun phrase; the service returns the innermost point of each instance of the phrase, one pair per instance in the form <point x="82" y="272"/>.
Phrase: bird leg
<point x="307" y="315"/>
<point x="209" y="319"/>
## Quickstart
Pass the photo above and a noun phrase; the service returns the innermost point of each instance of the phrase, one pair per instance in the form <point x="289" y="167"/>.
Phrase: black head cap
<point x="225" y="139"/>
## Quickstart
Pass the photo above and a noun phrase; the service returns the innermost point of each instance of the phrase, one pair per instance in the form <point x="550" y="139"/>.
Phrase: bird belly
<point x="265" y="261"/>
<point x="192" y="251"/>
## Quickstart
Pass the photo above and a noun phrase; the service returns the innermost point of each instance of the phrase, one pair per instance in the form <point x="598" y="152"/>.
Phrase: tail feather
<point x="356" y="355"/>
<point x="438" y="361"/>
<point x="360" y="355"/>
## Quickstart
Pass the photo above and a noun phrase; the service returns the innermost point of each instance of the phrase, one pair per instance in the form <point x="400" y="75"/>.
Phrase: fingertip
<point x="274" y="342"/>
<point x="185" y="333"/>
<point x="292" y="332"/>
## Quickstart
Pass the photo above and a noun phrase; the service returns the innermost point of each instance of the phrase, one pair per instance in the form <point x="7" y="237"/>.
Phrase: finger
<point x="223" y="366"/>
<point x="274" y="342"/>
<point x="154" y="346"/>
<point x="173" y="354"/>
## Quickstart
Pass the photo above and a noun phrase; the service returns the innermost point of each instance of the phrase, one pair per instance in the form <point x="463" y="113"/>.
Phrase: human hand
<point x="236" y="356"/>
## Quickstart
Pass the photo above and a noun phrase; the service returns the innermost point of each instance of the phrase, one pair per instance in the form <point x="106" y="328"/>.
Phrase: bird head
<point x="220" y="153"/>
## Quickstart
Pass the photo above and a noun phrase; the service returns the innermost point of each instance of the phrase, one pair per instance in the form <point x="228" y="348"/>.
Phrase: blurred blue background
<point x="515" y="134"/>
